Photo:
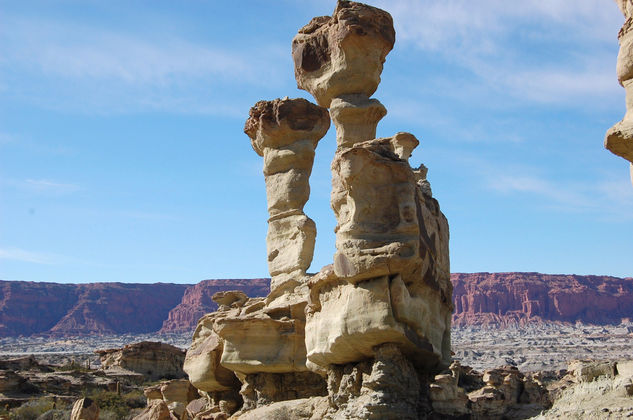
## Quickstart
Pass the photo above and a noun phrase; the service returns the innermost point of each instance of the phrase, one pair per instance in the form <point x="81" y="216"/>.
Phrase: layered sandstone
<point x="619" y="138"/>
<point x="285" y="132"/>
<point x="152" y="359"/>
<point x="515" y="298"/>
<point x="390" y="277"/>
<point x="375" y="323"/>
<point x="198" y="301"/>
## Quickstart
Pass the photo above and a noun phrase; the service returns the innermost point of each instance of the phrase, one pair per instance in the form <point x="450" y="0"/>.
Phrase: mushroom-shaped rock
<point x="286" y="132"/>
<point x="344" y="53"/>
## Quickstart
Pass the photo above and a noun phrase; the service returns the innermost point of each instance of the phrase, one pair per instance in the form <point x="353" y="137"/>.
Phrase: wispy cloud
<point x="93" y="69"/>
<point x="21" y="255"/>
<point x="42" y="186"/>
<point x="542" y="51"/>
<point x="608" y="198"/>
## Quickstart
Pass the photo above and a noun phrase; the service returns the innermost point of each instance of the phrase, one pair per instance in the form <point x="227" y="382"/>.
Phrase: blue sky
<point x="122" y="156"/>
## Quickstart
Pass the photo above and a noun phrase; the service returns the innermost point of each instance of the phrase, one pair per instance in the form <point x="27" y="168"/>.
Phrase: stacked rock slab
<point x="261" y="341"/>
<point x="285" y="132"/>
<point x="361" y="338"/>
<point x="619" y="138"/>
<point x="390" y="280"/>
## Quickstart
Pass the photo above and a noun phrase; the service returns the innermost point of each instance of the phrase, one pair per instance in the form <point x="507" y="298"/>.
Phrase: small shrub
<point x="32" y="409"/>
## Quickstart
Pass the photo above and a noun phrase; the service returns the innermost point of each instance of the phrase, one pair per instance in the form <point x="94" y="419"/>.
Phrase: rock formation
<point x="197" y="301"/>
<point x="85" y="409"/>
<point x="619" y="138"/>
<point x="285" y="132"/>
<point x="375" y="323"/>
<point x="390" y="278"/>
<point x="154" y="360"/>
<point x="79" y="309"/>
<point x="176" y="394"/>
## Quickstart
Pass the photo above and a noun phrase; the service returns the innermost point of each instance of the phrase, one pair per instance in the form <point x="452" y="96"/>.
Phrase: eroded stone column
<point x="390" y="279"/>
<point x="286" y="132"/>
<point x="619" y="138"/>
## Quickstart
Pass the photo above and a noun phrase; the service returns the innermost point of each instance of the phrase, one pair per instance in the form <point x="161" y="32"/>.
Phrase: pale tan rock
<point x="270" y="339"/>
<point x="154" y="360"/>
<point x="390" y="280"/>
<point x="84" y="409"/>
<point x="590" y="370"/>
<point x="202" y="362"/>
<point x="374" y="201"/>
<point x="344" y="53"/>
<point x="354" y="318"/>
<point x="156" y="410"/>
<point x="592" y="389"/>
<point x="286" y="132"/>
<point x="619" y="138"/>
<point x="625" y="368"/>
<point x="153" y="393"/>
<point x="261" y="389"/>
<point x="176" y="394"/>
<point x="313" y="408"/>
<point x="355" y="117"/>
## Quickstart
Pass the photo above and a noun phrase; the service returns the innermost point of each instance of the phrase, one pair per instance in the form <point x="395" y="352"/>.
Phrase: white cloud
<point x="42" y="186"/>
<point x="554" y="51"/>
<point x="21" y="255"/>
<point x="91" y="69"/>
<point x="610" y="198"/>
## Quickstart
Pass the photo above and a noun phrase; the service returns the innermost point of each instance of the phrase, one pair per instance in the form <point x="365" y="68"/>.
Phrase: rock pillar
<point x="619" y="138"/>
<point x="286" y="132"/>
<point x="390" y="279"/>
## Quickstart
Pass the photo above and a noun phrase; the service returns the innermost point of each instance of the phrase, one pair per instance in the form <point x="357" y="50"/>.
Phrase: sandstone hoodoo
<point x="619" y="138"/>
<point x="363" y="336"/>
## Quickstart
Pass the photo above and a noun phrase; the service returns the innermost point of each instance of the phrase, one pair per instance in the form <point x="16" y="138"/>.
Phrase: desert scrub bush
<point x="32" y="409"/>
<point x="55" y="414"/>
<point x="72" y="366"/>
<point x="117" y="406"/>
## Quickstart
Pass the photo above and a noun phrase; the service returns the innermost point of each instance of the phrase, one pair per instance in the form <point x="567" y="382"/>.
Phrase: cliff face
<point x="197" y="301"/>
<point x="28" y="308"/>
<point x="503" y="298"/>
<point x="69" y="309"/>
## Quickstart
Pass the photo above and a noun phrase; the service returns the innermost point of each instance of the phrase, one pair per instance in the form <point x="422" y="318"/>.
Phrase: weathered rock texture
<point x="344" y="53"/>
<point x="254" y="347"/>
<point x="515" y="298"/>
<point x="619" y="138"/>
<point x="197" y="301"/>
<point x="152" y="359"/>
<point x="85" y="409"/>
<point x="376" y="323"/>
<point x="390" y="277"/>
<point x="176" y="394"/>
<point x="593" y="389"/>
<point x="285" y="132"/>
<point x="502" y="393"/>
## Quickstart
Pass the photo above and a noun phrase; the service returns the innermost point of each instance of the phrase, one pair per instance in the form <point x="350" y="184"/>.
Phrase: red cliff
<point x="28" y="308"/>
<point x="503" y="298"/>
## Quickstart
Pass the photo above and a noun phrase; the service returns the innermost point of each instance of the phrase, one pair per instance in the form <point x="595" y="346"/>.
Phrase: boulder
<point x="156" y="410"/>
<point x="154" y="360"/>
<point x="343" y="53"/>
